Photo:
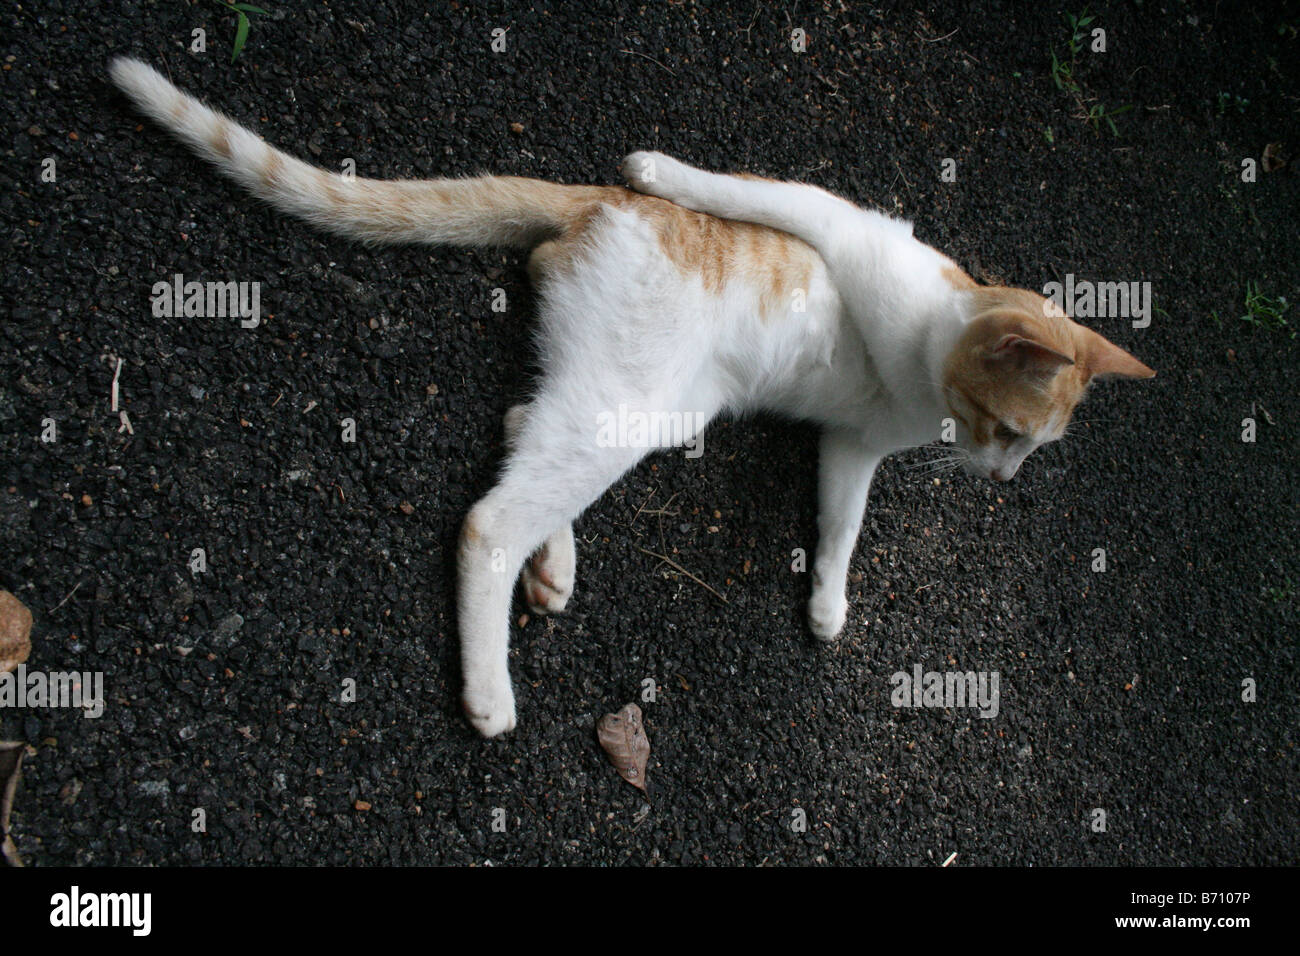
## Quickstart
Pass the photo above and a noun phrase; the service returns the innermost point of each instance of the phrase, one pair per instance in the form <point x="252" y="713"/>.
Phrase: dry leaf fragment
<point x="69" y="792"/>
<point x="15" y="632"/>
<point x="1273" y="159"/>
<point x="11" y="762"/>
<point x="623" y="737"/>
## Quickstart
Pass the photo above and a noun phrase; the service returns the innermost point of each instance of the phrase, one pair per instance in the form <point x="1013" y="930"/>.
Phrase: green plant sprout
<point x="1266" y="312"/>
<point x="241" y="10"/>
<point x="1064" y="75"/>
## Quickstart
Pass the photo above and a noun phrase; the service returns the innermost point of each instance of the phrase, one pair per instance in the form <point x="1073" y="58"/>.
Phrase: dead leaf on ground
<point x="624" y="739"/>
<point x="15" y="632"/>
<point x="11" y="762"/>
<point x="1273" y="159"/>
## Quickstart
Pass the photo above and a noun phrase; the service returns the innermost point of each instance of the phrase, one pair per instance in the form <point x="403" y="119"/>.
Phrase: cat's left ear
<point x="1102" y="358"/>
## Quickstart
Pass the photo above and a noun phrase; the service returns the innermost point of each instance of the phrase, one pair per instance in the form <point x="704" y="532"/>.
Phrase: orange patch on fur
<point x="721" y="249"/>
<point x="782" y="265"/>
<point x="695" y="243"/>
<point x="544" y="259"/>
<point x="221" y="139"/>
<point x="957" y="277"/>
<point x="270" y="170"/>
<point x="470" y="534"/>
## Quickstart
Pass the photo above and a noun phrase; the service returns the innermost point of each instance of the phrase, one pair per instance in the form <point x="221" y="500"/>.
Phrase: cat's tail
<point x="484" y="211"/>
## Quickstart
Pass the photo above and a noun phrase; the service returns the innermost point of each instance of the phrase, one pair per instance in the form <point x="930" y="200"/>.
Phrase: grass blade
<point x="241" y="35"/>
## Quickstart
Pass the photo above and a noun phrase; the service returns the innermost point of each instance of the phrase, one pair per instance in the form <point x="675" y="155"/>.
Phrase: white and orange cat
<point x="699" y="295"/>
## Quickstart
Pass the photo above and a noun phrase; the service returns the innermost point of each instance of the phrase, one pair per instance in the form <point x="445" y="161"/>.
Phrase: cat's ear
<point x="1028" y="354"/>
<point x="1101" y="358"/>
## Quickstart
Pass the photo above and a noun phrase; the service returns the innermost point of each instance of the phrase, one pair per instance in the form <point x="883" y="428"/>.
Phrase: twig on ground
<point x="116" y="372"/>
<point x="67" y="598"/>
<point x="677" y="566"/>
<point x="650" y="58"/>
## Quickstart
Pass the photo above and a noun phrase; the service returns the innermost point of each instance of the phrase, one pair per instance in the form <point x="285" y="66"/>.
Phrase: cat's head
<point x="1016" y="374"/>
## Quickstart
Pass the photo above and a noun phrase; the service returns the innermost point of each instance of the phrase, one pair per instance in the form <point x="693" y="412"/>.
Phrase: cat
<point x="692" y="295"/>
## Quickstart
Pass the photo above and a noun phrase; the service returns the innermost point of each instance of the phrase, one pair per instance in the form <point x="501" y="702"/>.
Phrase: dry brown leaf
<point x="623" y="737"/>
<point x="11" y="762"/>
<point x="15" y="632"/>
<point x="1273" y="159"/>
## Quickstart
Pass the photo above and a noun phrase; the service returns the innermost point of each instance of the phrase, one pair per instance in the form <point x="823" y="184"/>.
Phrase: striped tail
<point x="482" y="211"/>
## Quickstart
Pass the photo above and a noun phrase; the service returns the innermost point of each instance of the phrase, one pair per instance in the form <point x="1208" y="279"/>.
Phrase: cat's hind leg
<point x="548" y="577"/>
<point x="555" y="469"/>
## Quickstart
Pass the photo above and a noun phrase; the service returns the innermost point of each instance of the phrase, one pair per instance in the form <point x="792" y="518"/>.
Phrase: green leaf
<point x="1056" y="72"/>
<point x="241" y="36"/>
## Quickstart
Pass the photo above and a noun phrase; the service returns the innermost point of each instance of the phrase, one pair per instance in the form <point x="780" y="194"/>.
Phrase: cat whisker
<point x="939" y="465"/>
<point x="1081" y="436"/>
<point x="950" y="453"/>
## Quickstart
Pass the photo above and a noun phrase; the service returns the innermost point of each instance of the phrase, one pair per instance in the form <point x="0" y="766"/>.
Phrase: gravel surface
<point x="329" y="562"/>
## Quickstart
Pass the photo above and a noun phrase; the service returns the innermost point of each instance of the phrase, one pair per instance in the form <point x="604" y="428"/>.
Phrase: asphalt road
<point x="1120" y="690"/>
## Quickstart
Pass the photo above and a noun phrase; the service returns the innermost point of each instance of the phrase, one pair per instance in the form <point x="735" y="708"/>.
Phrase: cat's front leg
<point x="824" y="221"/>
<point x="848" y="463"/>
<point x="656" y="174"/>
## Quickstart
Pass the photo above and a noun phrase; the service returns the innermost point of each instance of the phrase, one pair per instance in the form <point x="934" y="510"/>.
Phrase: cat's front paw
<point x="652" y="173"/>
<point x="492" y="712"/>
<point x="827" y="612"/>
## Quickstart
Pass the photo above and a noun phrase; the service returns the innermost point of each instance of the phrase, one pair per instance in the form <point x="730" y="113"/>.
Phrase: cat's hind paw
<point x="548" y="577"/>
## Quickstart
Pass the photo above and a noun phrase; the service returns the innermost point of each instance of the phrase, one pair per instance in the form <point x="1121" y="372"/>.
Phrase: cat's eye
<point x="1005" y="434"/>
